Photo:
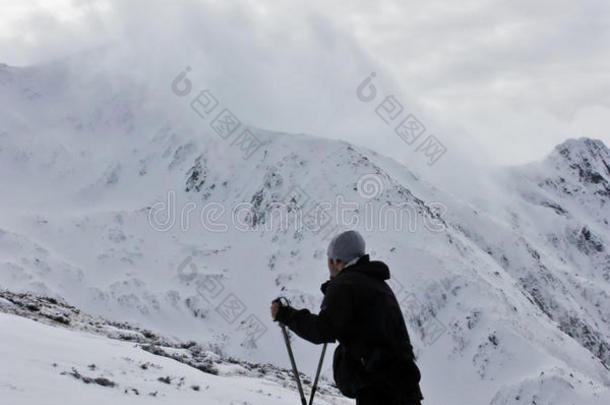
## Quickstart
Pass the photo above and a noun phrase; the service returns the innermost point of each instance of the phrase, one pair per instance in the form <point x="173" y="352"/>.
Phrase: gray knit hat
<point x="346" y="246"/>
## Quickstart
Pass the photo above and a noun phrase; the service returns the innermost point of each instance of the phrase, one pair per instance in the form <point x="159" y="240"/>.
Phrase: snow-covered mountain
<point x="152" y="207"/>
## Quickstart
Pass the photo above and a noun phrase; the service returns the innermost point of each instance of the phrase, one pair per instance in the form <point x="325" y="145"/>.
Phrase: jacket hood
<point x="375" y="269"/>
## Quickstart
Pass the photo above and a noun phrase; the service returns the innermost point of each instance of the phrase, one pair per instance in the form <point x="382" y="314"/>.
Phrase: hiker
<point x="374" y="360"/>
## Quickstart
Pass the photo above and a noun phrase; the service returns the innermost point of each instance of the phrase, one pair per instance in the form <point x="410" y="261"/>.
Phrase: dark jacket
<point x="361" y="312"/>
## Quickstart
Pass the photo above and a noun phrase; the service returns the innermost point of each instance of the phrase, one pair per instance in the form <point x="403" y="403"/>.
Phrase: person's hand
<point x="278" y="305"/>
<point x="275" y="306"/>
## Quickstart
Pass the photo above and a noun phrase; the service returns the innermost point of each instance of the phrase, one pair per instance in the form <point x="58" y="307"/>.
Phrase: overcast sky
<point x="497" y="81"/>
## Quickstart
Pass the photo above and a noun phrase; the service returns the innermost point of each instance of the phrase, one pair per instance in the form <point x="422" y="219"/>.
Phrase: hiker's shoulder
<point x="337" y="285"/>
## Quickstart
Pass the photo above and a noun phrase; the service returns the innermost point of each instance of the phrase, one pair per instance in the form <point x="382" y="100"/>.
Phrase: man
<point x="374" y="360"/>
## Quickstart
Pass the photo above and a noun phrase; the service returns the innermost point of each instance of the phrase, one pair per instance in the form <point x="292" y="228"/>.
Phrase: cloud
<point x="496" y="82"/>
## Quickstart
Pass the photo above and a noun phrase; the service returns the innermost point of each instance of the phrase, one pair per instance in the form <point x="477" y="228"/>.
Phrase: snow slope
<point x="43" y="364"/>
<point x="122" y="203"/>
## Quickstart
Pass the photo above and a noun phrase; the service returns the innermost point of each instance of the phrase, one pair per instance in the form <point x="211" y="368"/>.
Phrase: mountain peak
<point x="583" y="147"/>
<point x="590" y="158"/>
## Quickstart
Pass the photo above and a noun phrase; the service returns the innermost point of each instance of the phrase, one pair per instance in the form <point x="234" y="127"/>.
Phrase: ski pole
<point x="315" y="381"/>
<point x="294" y="365"/>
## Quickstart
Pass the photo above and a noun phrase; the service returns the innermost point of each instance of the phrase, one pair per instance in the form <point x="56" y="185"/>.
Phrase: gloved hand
<point x="281" y="309"/>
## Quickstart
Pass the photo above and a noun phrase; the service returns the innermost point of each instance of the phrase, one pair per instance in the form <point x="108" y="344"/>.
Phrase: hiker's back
<point x="379" y="340"/>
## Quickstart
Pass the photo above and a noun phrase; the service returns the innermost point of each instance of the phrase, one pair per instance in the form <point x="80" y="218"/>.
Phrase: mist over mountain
<point x="140" y="203"/>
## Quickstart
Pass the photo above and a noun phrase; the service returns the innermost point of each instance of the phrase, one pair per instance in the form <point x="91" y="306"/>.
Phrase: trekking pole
<point x="315" y="381"/>
<point x="284" y="301"/>
<point x="294" y="365"/>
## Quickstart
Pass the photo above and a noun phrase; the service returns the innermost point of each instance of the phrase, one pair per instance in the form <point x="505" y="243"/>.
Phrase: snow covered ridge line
<point x="288" y="213"/>
<point x="225" y="123"/>
<point x="58" y="313"/>
<point x="407" y="126"/>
